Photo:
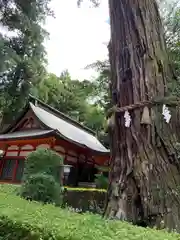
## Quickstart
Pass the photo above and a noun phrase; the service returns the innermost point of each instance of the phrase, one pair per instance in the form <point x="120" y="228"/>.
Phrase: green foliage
<point x="102" y="90"/>
<point x="74" y="98"/>
<point x="9" y="188"/>
<point x="20" y="219"/>
<point x="42" y="177"/>
<point x="41" y="187"/>
<point x="101" y="83"/>
<point x="170" y="12"/>
<point x="94" y="118"/>
<point x="85" y="189"/>
<point x="101" y="181"/>
<point x="22" y="54"/>
<point x="85" y="200"/>
<point x="43" y="161"/>
<point x="59" y="92"/>
<point x="13" y="189"/>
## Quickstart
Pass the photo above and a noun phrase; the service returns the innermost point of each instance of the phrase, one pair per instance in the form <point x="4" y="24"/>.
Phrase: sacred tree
<point x="145" y="164"/>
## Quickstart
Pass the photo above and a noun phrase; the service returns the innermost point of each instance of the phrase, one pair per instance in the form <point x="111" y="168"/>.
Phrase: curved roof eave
<point x="51" y="122"/>
<point x="78" y="144"/>
<point x="24" y="135"/>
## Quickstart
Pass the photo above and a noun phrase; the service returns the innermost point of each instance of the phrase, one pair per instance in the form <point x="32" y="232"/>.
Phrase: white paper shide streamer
<point x="166" y="113"/>
<point x="127" y="118"/>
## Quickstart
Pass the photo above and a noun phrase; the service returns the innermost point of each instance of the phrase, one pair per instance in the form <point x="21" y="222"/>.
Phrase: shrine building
<point x="41" y="126"/>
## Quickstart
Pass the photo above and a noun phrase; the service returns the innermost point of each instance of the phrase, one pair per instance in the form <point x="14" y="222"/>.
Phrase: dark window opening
<point x="86" y="173"/>
<point x="8" y="169"/>
<point x="9" y="166"/>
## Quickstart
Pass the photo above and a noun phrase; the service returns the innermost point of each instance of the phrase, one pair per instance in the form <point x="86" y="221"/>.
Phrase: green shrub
<point x="83" y="189"/>
<point x="44" y="161"/>
<point x="24" y="220"/>
<point x="41" y="179"/>
<point x="41" y="187"/>
<point x="85" y="201"/>
<point x="101" y="181"/>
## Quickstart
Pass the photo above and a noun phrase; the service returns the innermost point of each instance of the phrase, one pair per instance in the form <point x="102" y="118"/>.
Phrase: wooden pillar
<point x="16" y="165"/>
<point x="2" y="160"/>
<point x="15" y="170"/>
<point x="77" y="170"/>
<point x="1" y="166"/>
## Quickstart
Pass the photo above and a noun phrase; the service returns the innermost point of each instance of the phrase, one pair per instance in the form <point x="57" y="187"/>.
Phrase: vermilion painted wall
<point x="19" y="149"/>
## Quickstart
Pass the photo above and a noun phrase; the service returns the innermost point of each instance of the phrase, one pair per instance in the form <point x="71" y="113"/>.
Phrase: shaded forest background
<point x="23" y="63"/>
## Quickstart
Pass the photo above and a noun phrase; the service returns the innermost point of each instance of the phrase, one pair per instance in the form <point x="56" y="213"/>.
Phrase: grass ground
<point x="23" y="220"/>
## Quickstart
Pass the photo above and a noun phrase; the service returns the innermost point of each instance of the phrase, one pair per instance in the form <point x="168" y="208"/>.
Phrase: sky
<point x="78" y="37"/>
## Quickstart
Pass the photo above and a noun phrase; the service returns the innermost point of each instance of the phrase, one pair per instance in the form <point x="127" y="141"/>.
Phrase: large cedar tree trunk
<point x="145" y="176"/>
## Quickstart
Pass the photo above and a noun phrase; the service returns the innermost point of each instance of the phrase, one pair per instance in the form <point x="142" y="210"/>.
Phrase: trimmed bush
<point x="79" y="189"/>
<point x="43" y="161"/>
<point x="23" y="220"/>
<point x="41" y="179"/>
<point x="84" y="201"/>
<point x="42" y="188"/>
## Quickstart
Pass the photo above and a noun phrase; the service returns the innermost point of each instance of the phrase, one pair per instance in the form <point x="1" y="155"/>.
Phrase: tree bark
<point x="145" y="176"/>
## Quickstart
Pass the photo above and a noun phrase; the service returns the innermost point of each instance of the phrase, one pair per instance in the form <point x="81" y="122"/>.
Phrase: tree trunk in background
<point x="145" y="176"/>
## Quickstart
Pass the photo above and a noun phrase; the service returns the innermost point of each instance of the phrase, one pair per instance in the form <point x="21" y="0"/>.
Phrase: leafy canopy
<point x="22" y="54"/>
<point x="43" y="161"/>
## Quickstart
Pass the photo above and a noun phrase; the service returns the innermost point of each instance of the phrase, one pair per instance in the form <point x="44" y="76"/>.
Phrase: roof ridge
<point x="64" y="116"/>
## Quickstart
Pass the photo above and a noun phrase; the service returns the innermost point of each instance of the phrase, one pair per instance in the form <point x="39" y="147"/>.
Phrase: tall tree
<point x="145" y="174"/>
<point x="72" y="97"/>
<point x="21" y="43"/>
<point x="170" y="12"/>
<point x="101" y="83"/>
<point x="59" y="92"/>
